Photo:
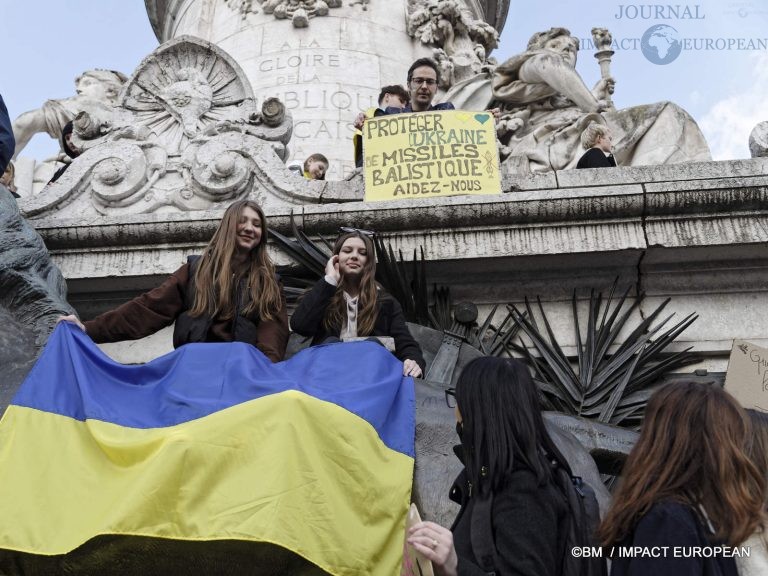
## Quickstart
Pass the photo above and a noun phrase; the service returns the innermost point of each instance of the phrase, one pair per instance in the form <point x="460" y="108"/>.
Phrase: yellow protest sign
<point x="428" y="154"/>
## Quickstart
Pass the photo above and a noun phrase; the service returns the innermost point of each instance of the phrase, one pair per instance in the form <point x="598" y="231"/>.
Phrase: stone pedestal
<point x="697" y="233"/>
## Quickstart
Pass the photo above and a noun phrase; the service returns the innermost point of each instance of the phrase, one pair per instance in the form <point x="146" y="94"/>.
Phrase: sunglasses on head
<point x="450" y="397"/>
<point x="348" y="230"/>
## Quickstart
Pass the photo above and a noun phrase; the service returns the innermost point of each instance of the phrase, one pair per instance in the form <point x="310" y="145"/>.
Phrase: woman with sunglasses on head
<point x="348" y="303"/>
<point x="688" y="485"/>
<point x="509" y="461"/>
<point x="229" y="294"/>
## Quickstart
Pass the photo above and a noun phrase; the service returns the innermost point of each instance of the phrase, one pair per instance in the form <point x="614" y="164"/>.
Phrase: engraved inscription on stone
<point x="305" y="75"/>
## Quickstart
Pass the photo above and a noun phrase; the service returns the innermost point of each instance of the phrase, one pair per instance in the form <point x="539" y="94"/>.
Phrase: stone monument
<point x="96" y="89"/>
<point x="188" y="134"/>
<point x="326" y="60"/>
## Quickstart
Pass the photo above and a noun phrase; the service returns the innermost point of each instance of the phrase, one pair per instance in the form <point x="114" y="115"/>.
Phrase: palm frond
<point x="606" y="381"/>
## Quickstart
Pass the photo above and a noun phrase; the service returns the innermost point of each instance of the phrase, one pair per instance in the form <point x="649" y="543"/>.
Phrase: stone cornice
<point x="697" y="233"/>
<point x="702" y="204"/>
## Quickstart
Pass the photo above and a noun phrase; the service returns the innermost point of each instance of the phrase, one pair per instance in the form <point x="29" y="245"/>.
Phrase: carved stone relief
<point x="461" y="42"/>
<point x="244" y="7"/>
<point x="185" y="134"/>
<point x="299" y="12"/>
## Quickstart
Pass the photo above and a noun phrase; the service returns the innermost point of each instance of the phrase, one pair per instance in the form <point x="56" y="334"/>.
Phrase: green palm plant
<point x="311" y="257"/>
<point x="406" y="281"/>
<point x="611" y="386"/>
<point x="494" y="340"/>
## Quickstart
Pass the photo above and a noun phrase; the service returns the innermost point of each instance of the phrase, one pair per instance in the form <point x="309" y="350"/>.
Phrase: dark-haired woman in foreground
<point x="231" y="293"/>
<point x="347" y="303"/>
<point x="687" y="483"/>
<point x="508" y="455"/>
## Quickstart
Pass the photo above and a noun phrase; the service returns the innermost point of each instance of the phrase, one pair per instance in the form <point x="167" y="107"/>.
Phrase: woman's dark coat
<point x="528" y="523"/>
<point x="308" y="318"/>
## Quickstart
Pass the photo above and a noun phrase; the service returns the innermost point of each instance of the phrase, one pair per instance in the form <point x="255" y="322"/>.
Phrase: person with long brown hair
<point x="348" y="303"/>
<point x="229" y="294"/>
<point x="688" y="484"/>
<point x="756" y="564"/>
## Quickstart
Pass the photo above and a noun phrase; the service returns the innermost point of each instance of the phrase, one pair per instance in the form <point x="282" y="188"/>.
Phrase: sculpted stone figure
<point x="546" y="105"/>
<point x="758" y="140"/>
<point x="96" y="90"/>
<point x="461" y="43"/>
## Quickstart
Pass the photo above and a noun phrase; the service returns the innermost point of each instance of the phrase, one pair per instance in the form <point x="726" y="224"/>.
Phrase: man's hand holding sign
<point x="430" y="154"/>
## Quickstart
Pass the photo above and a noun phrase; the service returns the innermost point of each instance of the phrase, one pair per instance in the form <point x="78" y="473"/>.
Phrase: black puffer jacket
<point x="190" y="329"/>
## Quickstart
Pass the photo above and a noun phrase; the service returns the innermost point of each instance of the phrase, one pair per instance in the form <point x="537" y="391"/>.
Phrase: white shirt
<point x="350" y="326"/>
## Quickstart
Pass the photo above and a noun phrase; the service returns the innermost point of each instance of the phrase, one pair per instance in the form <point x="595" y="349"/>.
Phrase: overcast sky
<point x="47" y="43"/>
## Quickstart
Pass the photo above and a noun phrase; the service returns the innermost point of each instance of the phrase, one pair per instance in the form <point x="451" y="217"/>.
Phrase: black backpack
<point x="583" y="521"/>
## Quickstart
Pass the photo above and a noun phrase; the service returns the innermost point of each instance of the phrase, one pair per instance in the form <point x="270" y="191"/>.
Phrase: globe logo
<point x="661" y="45"/>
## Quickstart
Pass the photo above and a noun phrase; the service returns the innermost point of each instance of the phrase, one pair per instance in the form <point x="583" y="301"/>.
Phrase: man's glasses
<point x="348" y="230"/>
<point x="450" y="397"/>
<point x="420" y="81"/>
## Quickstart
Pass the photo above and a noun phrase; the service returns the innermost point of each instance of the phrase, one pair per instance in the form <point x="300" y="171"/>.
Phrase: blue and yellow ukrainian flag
<point x="209" y="460"/>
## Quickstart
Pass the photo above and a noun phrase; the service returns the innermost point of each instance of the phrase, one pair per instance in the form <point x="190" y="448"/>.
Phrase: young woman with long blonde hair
<point x="230" y="293"/>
